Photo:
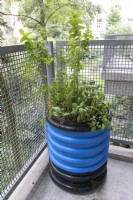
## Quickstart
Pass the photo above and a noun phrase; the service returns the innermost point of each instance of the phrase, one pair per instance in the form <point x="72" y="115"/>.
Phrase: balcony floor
<point x="118" y="186"/>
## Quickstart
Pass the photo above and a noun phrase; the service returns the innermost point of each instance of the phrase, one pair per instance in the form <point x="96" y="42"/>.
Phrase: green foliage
<point x="115" y="24"/>
<point x="120" y="28"/>
<point x="114" y="16"/>
<point x="69" y="97"/>
<point x="79" y="101"/>
<point x="56" y="12"/>
<point x="82" y="105"/>
<point x="39" y="55"/>
<point x="78" y="41"/>
<point x="54" y="31"/>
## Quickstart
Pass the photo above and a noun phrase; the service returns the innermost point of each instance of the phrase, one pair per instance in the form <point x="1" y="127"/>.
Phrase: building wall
<point x="126" y="12"/>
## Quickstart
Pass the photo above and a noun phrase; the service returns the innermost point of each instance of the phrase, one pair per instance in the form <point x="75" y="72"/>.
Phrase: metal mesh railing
<point x="110" y="64"/>
<point x="23" y="136"/>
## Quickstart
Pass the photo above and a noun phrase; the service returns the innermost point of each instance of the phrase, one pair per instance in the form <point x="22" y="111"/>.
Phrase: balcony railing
<point x="109" y="63"/>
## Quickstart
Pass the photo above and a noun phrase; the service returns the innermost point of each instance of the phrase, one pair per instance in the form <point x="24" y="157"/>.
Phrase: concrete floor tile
<point x="118" y="186"/>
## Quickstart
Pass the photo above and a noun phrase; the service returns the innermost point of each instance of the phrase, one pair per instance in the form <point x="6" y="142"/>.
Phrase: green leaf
<point x="21" y="31"/>
<point x="23" y="39"/>
<point x="93" y="128"/>
<point x="81" y="110"/>
<point x="43" y="121"/>
<point x="103" y="126"/>
<point x="66" y="114"/>
<point x="38" y="92"/>
<point x="57" y="109"/>
<point x="78" y="119"/>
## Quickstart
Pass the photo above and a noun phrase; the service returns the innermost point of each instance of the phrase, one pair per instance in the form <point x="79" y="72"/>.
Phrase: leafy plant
<point x="70" y="99"/>
<point x="39" y="55"/>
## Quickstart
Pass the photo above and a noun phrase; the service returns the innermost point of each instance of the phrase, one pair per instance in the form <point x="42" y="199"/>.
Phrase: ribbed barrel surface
<point x="77" y="152"/>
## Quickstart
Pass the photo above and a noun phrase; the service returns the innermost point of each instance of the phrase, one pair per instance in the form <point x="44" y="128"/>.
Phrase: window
<point x="117" y="6"/>
<point x="98" y="25"/>
<point x="99" y="20"/>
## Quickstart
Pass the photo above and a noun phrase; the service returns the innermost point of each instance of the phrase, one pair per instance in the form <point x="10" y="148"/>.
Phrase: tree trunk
<point x="42" y="16"/>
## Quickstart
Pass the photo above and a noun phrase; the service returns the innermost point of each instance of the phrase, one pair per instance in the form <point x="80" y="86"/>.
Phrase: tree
<point x="119" y="29"/>
<point x="54" y="14"/>
<point x="114" y="16"/>
<point x="115" y="24"/>
<point x="5" y="24"/>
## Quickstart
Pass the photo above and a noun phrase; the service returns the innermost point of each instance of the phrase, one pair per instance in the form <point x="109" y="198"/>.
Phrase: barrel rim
<point x="84" y="128"/>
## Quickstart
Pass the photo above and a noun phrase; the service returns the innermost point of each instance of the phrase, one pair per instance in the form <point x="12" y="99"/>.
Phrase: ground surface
<point x="118" y="186"/>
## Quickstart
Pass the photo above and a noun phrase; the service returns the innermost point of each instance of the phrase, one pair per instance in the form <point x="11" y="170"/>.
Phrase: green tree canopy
<point x="54" y="14"/>
<point x="115" y="24"/>
<point x="114" y="16"/>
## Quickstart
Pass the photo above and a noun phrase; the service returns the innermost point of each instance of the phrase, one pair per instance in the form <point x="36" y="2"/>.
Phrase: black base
<point x="78" y="182"/>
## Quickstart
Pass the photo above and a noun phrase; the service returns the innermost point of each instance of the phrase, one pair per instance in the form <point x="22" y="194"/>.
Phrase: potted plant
<point x="78" y="121"/>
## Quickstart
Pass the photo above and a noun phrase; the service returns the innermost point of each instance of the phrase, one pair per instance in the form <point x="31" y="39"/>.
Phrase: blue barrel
<point x="78" y="157"/>
<point x="77" y="150"/>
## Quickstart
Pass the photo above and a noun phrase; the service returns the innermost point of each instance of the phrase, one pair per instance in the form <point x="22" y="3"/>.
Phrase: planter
<point x="78" y="157"/>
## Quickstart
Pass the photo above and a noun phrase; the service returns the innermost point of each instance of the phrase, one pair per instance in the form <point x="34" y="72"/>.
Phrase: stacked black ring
<point x="78" y="182"/>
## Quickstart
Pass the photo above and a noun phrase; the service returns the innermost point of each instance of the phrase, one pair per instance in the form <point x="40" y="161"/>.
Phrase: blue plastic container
<point x="77" y="150"/>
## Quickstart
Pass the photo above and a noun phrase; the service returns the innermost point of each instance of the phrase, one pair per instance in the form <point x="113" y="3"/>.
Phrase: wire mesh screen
<point x="110" y="64"/>
<point x="23" y="136"/>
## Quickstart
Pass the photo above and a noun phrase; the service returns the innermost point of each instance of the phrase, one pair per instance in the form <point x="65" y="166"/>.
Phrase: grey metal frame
<point x="22" y="135"/>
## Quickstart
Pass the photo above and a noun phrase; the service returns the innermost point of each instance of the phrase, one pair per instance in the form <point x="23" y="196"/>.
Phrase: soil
<point x="70" y="121"/>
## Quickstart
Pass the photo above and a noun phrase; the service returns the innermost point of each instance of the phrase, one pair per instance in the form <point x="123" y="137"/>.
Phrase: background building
<point x="99" y="24"/>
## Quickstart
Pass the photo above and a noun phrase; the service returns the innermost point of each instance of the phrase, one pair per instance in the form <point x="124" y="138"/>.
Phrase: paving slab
<point x="118" y="186"/>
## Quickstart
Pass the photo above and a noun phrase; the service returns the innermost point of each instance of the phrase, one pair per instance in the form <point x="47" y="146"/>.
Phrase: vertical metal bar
<point x="58" y="58"/>
<point x="50" y="68"/>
